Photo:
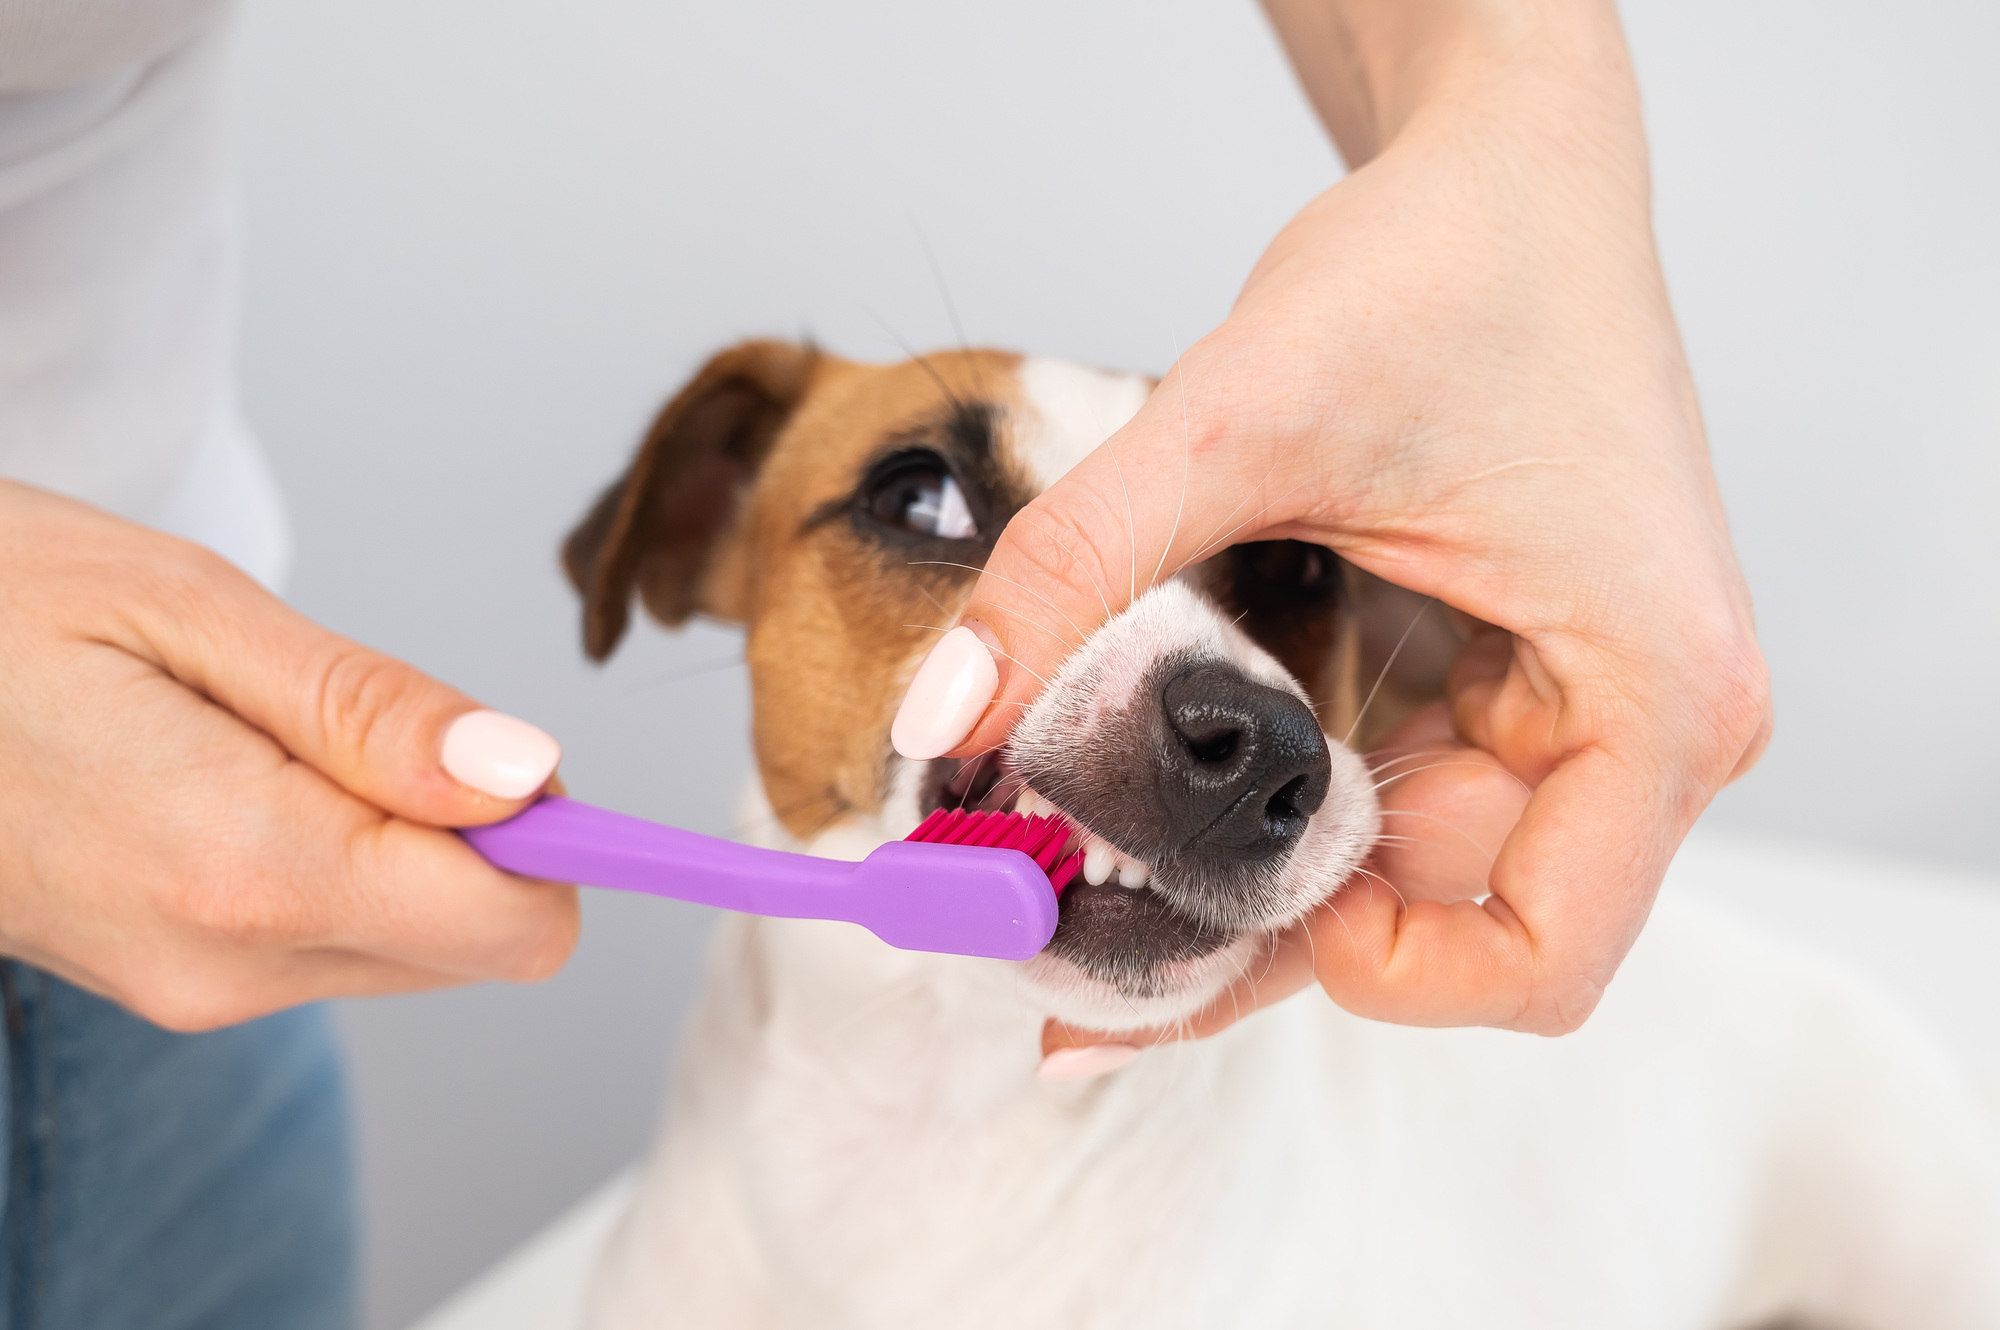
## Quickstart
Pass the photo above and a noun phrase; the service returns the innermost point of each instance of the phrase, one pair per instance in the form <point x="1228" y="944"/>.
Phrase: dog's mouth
<point x="1112" y="924"/>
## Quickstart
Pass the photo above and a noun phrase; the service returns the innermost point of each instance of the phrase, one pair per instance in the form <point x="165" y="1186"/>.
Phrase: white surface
<point x="1930" y="934"/>
<point x="1927" y="933"/>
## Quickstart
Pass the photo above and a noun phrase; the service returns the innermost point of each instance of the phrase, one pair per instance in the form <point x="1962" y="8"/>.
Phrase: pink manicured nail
<point x="1076" y="1064"/>
<point x="499" y="755"/>
<point x="951" y="691"/>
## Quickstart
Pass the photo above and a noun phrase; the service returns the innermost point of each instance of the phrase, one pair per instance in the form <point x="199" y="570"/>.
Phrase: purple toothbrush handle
<point x="965" y="900"/>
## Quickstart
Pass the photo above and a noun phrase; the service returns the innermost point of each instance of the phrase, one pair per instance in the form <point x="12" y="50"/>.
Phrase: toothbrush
<point x="970" y="884"/>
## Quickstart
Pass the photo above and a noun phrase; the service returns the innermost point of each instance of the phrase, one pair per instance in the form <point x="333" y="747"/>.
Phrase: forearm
<point x="1374" y="67"/>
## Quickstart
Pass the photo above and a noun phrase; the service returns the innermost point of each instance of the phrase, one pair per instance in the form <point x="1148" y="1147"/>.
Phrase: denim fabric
<point x="170" y="1181"/>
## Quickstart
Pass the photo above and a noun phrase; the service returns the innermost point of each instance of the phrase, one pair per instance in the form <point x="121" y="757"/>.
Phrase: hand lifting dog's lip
<point x="1181" y="737"/>
<point x="1212" y="808"/>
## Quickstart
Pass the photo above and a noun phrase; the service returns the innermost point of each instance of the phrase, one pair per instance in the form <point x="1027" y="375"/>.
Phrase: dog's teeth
<point x="1025" y="805"/>
<point x="1098" y="861"/>
<point x="1132" y="874"/>
<point x="1043" y="808"/>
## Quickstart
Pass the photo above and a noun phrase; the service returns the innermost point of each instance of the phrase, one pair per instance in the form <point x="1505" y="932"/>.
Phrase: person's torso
<point x="117" y="270"/>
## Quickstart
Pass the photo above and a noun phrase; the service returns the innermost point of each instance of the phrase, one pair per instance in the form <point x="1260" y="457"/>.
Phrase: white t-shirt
<point x="118" y="261"/>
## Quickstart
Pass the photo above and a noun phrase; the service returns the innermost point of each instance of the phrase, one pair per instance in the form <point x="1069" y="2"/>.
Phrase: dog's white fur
<point x="856" y="1137"/>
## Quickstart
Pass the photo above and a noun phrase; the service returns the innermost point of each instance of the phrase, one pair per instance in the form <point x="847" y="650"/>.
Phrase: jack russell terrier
<point x="857" y="1138"/>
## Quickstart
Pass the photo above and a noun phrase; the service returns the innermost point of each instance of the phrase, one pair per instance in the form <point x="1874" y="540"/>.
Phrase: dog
<point x="856" y="1136"/>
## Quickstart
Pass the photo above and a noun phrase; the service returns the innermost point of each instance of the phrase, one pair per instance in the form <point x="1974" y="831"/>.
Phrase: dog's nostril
<point x="1282" y="815"/>
<point x="1213" y="749"/>
<point x="1243" y="766"/>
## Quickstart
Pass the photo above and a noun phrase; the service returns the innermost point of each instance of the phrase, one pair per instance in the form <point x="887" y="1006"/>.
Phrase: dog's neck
<point x="825" y="979"/>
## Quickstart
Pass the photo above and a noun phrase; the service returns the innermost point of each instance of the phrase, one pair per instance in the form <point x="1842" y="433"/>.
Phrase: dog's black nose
<point x="1241" y="765"/>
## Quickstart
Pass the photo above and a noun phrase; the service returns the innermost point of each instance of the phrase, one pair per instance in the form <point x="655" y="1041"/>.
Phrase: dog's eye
<point x="922" y="497"/>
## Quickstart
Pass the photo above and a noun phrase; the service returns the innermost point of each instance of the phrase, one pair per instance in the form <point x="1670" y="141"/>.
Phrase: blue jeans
<point x="169" y="1181"/>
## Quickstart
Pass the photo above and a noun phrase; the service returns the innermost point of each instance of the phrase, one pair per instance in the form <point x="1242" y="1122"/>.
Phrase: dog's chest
<point x="900" y="1160"/>
<point x="860" y="1141"/>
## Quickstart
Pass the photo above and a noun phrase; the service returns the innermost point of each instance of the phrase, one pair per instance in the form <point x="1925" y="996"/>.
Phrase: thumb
<point x="1153" y="498"/>
<point x="384" y="731"/>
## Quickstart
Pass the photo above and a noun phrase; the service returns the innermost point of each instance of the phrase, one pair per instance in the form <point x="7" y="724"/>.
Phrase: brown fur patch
<point x="656" y="528"/>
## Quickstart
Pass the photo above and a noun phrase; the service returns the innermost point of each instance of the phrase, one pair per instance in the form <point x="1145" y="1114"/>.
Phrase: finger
<point x="396" y="890"/>
<point x="1446" y="810"/>
<point x="211" y="991"/>
<point x="471" y="920"/>
<point x="1159" y="494"/>
<point x="381" y="729"/>
<point x="202" y="902"/>
<point x="1571" y="887"/>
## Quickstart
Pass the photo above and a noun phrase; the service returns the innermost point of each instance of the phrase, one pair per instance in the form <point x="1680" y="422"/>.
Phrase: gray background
<point x="486" y="237"/>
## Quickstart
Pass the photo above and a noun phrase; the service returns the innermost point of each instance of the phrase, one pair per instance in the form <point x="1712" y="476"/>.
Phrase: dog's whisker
<point x="973" y="779"/>
<point x="1214" y="541"/>
<point x="1491" y="855"/>
<point x="1202" y="549"/>
<point x="691" y="672"/>
<point x="950" y="306"/>
<point x="1388" y="665"/>
<point x="949" y="617"/>
<point x="1422" y="754"/>
<point x="1035" y="623"/>
<point x="1353" y="942"/>
<point x="923" y="362"/>
<point x="1131" y="529"/>
<point x="1223" y="541"/>
<point x="1187" y="464"/>
<point x="1483" y="766"/>
<point x="1369" y="872"/>
<point x="948" y="563"/>
<point x="1070" y="550"/>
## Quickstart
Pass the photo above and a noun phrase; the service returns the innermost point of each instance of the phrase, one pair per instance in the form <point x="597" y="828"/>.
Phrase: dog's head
<point x="840" y="512"/>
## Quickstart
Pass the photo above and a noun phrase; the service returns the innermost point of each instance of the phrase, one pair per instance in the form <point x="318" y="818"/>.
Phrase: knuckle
<point x="1053" y="543"/>
<point x="1559" y="1011"/>
<point x="1737" y="687"/>
<point x="359" y="693"/>
<point x="180" y="580"/>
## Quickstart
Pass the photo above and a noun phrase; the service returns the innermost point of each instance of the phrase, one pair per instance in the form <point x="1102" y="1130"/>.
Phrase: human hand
<point x="1458" y="368"/>
<point x="1447" y="808"/>
<point x="211" y="808"/>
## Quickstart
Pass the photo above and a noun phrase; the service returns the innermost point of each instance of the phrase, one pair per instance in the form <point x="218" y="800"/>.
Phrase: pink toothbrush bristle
<point x="1042" y="839"/>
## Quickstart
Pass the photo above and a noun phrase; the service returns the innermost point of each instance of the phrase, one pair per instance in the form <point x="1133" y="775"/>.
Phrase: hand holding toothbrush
<point x="211" y="808"/>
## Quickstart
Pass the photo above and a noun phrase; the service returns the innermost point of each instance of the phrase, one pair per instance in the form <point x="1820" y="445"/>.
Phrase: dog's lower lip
<point x="1125" y="938"/>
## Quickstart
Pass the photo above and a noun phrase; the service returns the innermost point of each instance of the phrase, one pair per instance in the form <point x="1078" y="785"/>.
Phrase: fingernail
<point x="950" y="693"/>
<point x="1076" y="1064"/>
<point x="499" y="755"/>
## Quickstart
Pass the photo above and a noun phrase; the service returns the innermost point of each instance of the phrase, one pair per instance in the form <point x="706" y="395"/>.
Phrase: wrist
<point x="1380" y="70"/>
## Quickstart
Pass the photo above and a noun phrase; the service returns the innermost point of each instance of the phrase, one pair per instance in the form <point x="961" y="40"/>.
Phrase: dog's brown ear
<point x="656" y="529"/>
